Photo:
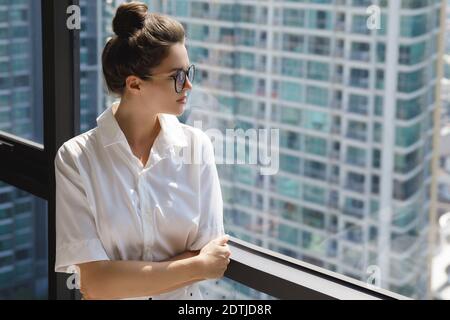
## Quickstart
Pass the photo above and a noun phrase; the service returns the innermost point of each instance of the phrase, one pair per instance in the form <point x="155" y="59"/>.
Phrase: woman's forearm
<point x="184" y="255"/>
<point x="184" y="284"/>
<point x="127" y="279"/>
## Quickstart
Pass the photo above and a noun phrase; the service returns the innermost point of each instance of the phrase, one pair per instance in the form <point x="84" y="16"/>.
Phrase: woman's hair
<point x="141" y="43"/>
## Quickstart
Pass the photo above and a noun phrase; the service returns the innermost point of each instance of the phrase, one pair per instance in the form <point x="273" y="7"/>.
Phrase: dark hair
<point x="141" y="43"/>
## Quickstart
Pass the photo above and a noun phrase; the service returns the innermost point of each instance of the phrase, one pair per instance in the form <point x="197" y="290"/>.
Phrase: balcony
<point x="357" y="135"/>
<point x="355" y="186"/>
<point x="339" y="26"/>
<point x="360" y="56"/>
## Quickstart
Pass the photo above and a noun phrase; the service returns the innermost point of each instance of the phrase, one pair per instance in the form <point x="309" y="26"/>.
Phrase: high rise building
<point x="354" y="96"/>
<point x="354" y="105"/>
<point x="441" y="261"/>
<point x="96" y="19"/>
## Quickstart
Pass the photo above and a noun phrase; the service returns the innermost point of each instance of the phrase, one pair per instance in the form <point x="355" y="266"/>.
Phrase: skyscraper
<point x="96" y="18"/>
<point x="353" y="93"/>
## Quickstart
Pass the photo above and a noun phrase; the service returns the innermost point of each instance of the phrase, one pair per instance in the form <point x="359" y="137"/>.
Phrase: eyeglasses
<point x="179" y="78"/>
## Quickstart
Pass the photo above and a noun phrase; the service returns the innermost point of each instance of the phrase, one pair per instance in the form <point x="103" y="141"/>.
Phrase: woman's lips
<point x="182" y="100"/>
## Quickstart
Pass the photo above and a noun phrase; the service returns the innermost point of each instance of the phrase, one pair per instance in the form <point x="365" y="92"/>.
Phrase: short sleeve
<point x="211" y="202"/>
<point x="77" y="240"/>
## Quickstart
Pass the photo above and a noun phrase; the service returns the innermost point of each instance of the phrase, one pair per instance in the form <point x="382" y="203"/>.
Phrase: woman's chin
<point x="177" y="111"/>
<point x="180" y="109"/>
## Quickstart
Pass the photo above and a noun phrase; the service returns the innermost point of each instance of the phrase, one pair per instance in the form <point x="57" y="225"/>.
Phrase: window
<point x="318" y="71"/>
<point x="412" y="54"/>
<point x="325" y="94"/>
<point x="359" y="24"/>
<point x="413" y="26"/>
<point x="358" y="104"/>
<point x="360" y="51"/>
<point x="411" y="81"/>
<point x="227" y="289"/>
<point x="359" y="78"/>
<point x="21" y="86"/>
<point x="23" y="245"/>
<point x="357" y="130"/>
<point x="406" y="136"/>
<point x="356" y="156"/>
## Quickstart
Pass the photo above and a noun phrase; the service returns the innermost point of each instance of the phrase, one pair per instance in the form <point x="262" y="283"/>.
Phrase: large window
<point x="353" y="192"/>
<point x="37" y="99"/>
<point x="23" y="245"/>
<point x="21" y="108"/>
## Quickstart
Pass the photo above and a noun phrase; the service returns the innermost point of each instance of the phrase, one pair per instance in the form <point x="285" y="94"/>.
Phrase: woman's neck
<point x="139" y="127"/>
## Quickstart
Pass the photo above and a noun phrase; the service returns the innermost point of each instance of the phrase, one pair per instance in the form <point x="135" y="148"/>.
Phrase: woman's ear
<point x="133" y="84"/>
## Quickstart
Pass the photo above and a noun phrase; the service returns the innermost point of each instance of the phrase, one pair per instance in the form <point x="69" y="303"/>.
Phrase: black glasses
<point x="180" y="77"/>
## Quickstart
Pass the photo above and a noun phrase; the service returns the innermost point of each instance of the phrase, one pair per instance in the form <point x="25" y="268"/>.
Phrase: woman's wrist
<point x="197" y="268"/>
<point x="184" y="255"/>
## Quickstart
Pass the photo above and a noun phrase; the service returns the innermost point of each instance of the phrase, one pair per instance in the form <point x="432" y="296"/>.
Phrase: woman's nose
<point x="188" y="84"/>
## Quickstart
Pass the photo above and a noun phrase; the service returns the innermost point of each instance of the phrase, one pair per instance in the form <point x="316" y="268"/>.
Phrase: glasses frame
<point x="174" y="77"/>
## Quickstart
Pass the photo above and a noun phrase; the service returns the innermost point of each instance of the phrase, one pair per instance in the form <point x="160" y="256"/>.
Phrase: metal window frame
<point x="30" y="166"/>
<point x="284" y="277"/>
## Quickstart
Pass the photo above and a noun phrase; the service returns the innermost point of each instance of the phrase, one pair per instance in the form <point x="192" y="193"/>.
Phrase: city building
<point x="352" y="92"/>
<point x="355" y="107"/>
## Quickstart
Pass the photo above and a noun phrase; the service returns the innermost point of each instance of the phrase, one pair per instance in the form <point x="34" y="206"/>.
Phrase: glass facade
<point x="313" y="70"/>
<point x="324" y="85"/>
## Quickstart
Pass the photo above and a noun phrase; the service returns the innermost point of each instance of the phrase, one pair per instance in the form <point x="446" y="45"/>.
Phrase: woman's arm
<point x="128" y="279"/>
<point x="184" y="255"/>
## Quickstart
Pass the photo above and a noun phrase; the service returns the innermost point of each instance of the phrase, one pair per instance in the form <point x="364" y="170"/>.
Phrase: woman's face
<point x="158" y="94"/>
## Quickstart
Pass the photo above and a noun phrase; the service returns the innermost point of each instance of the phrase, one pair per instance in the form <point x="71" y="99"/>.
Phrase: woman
<point x="132" y="219"/>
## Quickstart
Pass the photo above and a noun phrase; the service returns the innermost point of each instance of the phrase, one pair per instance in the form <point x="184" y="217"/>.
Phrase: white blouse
<point x="110" y="207"/>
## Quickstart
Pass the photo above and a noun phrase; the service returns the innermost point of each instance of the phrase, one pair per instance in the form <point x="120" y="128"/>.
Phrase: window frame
<point x="61" y="94"/>
<point x="284" y="277"/>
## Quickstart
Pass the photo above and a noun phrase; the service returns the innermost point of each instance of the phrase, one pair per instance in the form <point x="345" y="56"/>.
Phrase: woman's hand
<point x="214" y="258"/>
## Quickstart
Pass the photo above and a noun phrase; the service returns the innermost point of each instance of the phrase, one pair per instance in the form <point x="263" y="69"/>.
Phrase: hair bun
<point x="129" y="18"/>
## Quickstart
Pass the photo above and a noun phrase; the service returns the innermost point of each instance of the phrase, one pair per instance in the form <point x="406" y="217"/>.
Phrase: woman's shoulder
<point x="79" y="145"/>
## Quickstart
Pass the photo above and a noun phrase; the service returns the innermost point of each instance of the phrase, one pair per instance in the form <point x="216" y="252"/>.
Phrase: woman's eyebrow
<point x="178" y="68"/>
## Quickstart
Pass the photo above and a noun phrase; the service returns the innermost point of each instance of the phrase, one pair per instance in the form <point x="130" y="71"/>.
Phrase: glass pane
<point x="21" y="69"/>
<point x="23" y="245"/>
<point x="343" y="196"/>
<point x="96" y="27"/>
<point x="326" y="204"/>
<point x="226" y="289"/>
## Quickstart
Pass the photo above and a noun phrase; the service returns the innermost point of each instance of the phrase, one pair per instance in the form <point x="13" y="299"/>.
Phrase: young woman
<point x="131" y="218"/>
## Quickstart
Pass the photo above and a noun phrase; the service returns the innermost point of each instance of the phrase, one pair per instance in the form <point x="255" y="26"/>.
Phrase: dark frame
<point x="61" y="92"/>
<point x="279" y="283"/>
